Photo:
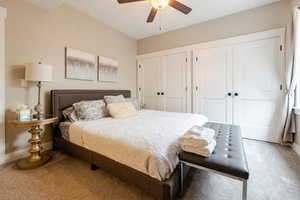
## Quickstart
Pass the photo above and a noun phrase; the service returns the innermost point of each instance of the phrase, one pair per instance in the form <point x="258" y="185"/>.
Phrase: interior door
<point x="257" y="88"/>
<point x="213" y="84"/>
<point x="149" y="82"/>
<point x="174" y="82"/>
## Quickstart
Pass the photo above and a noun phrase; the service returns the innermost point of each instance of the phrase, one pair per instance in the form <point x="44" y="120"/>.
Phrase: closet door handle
<point x="162" y="93"/>
<point x="236" y="94"/>
<point x="229" y="94"/>
<point x="158" y="93"/>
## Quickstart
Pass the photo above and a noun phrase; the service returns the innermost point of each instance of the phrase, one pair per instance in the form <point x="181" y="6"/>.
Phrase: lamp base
<point x="38" y="108"/>
<point x="27" y="164"/>
<point x="39" y="111"/>
<point x="38" y="116"/>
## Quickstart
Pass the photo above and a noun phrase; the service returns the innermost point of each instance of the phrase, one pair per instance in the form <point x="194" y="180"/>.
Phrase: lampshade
<point x="38" y="72"/>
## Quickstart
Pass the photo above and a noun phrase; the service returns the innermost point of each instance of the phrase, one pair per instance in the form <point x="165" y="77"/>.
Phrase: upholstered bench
<point x="228" y="159"/>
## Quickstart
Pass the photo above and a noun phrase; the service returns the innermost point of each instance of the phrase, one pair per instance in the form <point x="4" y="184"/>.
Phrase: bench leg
<point x="94" y="167"/>
<point x="181" y="178"/>
<point x="245" y="190"/>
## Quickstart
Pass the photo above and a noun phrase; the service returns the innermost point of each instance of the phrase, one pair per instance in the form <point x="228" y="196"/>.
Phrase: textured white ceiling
<point x="131" y="18"/>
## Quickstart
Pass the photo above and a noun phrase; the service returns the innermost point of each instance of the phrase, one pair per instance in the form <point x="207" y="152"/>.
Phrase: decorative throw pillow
<point x="90" y="110"/>
<point x="114" y="99"/>
<point x="134" y="102"/>
<point x="70" y="114"/>
<point x="64" y="129"/>
<point x="121" y="110"/>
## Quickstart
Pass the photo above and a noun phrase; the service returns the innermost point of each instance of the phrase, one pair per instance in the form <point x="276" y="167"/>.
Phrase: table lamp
<point x="38" y="72"/>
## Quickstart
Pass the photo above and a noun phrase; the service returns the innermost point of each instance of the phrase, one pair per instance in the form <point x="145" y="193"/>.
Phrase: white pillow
<point x="121" y="110"/>
<point x="134" y="102"/>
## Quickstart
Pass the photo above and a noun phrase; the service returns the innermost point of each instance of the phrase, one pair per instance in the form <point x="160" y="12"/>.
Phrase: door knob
<point x="162" y="93"/>
<point x="236" y="94"/>
<point x="158" y="93"/>
<point x="229" y="94"/>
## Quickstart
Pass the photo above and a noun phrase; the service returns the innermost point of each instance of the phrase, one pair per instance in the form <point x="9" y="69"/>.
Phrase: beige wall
<point x="259" y="19"/>
<point x="36" y="34"/>
<point x="2" y="80"/>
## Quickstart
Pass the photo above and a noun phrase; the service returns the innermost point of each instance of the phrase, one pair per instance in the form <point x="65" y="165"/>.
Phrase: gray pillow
<point x="70" y="114"/>
<point x="134" y="102"/>
<point x="114" y="99"/>
<point x="90" y="110"/>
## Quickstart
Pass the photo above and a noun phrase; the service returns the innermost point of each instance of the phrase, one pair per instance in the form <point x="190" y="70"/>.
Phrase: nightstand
<point x="36" y="158"/>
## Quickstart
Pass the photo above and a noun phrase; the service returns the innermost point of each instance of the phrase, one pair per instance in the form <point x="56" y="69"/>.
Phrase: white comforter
<point x="147" y="142"/>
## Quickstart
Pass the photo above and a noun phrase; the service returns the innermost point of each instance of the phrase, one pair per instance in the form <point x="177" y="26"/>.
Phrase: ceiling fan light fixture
<point x="159" y="4"/>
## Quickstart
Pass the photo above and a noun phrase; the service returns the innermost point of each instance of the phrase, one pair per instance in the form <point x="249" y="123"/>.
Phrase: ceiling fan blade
<point x="152" y="15"/>
<point x="179" y="6"/>
<point x="129" y="1"/>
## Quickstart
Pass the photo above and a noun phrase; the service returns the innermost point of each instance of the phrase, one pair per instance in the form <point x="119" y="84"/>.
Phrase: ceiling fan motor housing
<point x="159" y="4"/>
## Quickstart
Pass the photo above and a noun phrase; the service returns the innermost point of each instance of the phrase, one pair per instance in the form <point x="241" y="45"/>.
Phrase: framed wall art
<point x="80" y="65"/>
<point x="108" y="69"/>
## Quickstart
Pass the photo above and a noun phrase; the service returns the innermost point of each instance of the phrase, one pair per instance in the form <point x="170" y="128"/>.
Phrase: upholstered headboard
<point x="61" y="99"/>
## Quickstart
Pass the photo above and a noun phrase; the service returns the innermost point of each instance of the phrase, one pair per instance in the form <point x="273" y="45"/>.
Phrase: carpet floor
<point x="274" y="175"/>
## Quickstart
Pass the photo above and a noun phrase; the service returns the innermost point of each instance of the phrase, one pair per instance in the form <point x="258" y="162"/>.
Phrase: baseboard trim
<point x="296" y="148"/>
<point x="16" y="155"/>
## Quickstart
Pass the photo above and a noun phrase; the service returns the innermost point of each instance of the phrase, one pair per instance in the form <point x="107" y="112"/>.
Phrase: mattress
<point x="146" y="142"/>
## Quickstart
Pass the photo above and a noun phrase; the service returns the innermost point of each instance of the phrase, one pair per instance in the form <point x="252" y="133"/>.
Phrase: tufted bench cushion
<point x="229" y="156"/>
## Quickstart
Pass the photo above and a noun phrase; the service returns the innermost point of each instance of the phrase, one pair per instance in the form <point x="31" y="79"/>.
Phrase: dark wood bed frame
<point x="61" y="99"/>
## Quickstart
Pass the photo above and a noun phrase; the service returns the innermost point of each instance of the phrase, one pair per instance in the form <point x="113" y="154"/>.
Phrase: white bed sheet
<point x="146" y="142"/>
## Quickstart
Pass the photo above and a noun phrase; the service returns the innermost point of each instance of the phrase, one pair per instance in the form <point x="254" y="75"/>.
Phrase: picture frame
<point x="107" y="69"/>
<point x="80" y="65"/>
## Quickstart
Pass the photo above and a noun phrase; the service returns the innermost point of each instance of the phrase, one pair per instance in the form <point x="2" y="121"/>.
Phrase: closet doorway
<point x="242" y="84"/>
<point x="162" y="82"/>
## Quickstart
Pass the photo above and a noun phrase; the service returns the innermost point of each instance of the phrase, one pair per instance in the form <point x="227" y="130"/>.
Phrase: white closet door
<point x="213" y="83"/>
<point x="149" y="82"/>
<point x="174" y="81"/>
<point x="257" y="79"/>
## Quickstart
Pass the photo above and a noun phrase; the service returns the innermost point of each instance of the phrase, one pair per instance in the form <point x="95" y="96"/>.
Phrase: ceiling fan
<point x="161" y="4"/>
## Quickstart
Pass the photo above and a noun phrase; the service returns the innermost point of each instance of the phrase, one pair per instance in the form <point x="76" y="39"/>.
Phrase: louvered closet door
<point x="213" y="83"/>
<point x="149" y="82"/>
<point x="257" y="79"/>
<point x="174" y="81"/>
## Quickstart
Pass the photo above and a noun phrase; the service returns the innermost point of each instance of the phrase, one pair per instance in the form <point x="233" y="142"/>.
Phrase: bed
<point x="153" y="161"/>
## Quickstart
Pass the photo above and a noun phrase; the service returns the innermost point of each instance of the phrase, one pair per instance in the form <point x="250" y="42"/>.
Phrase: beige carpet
<point x="274" y="170"/>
